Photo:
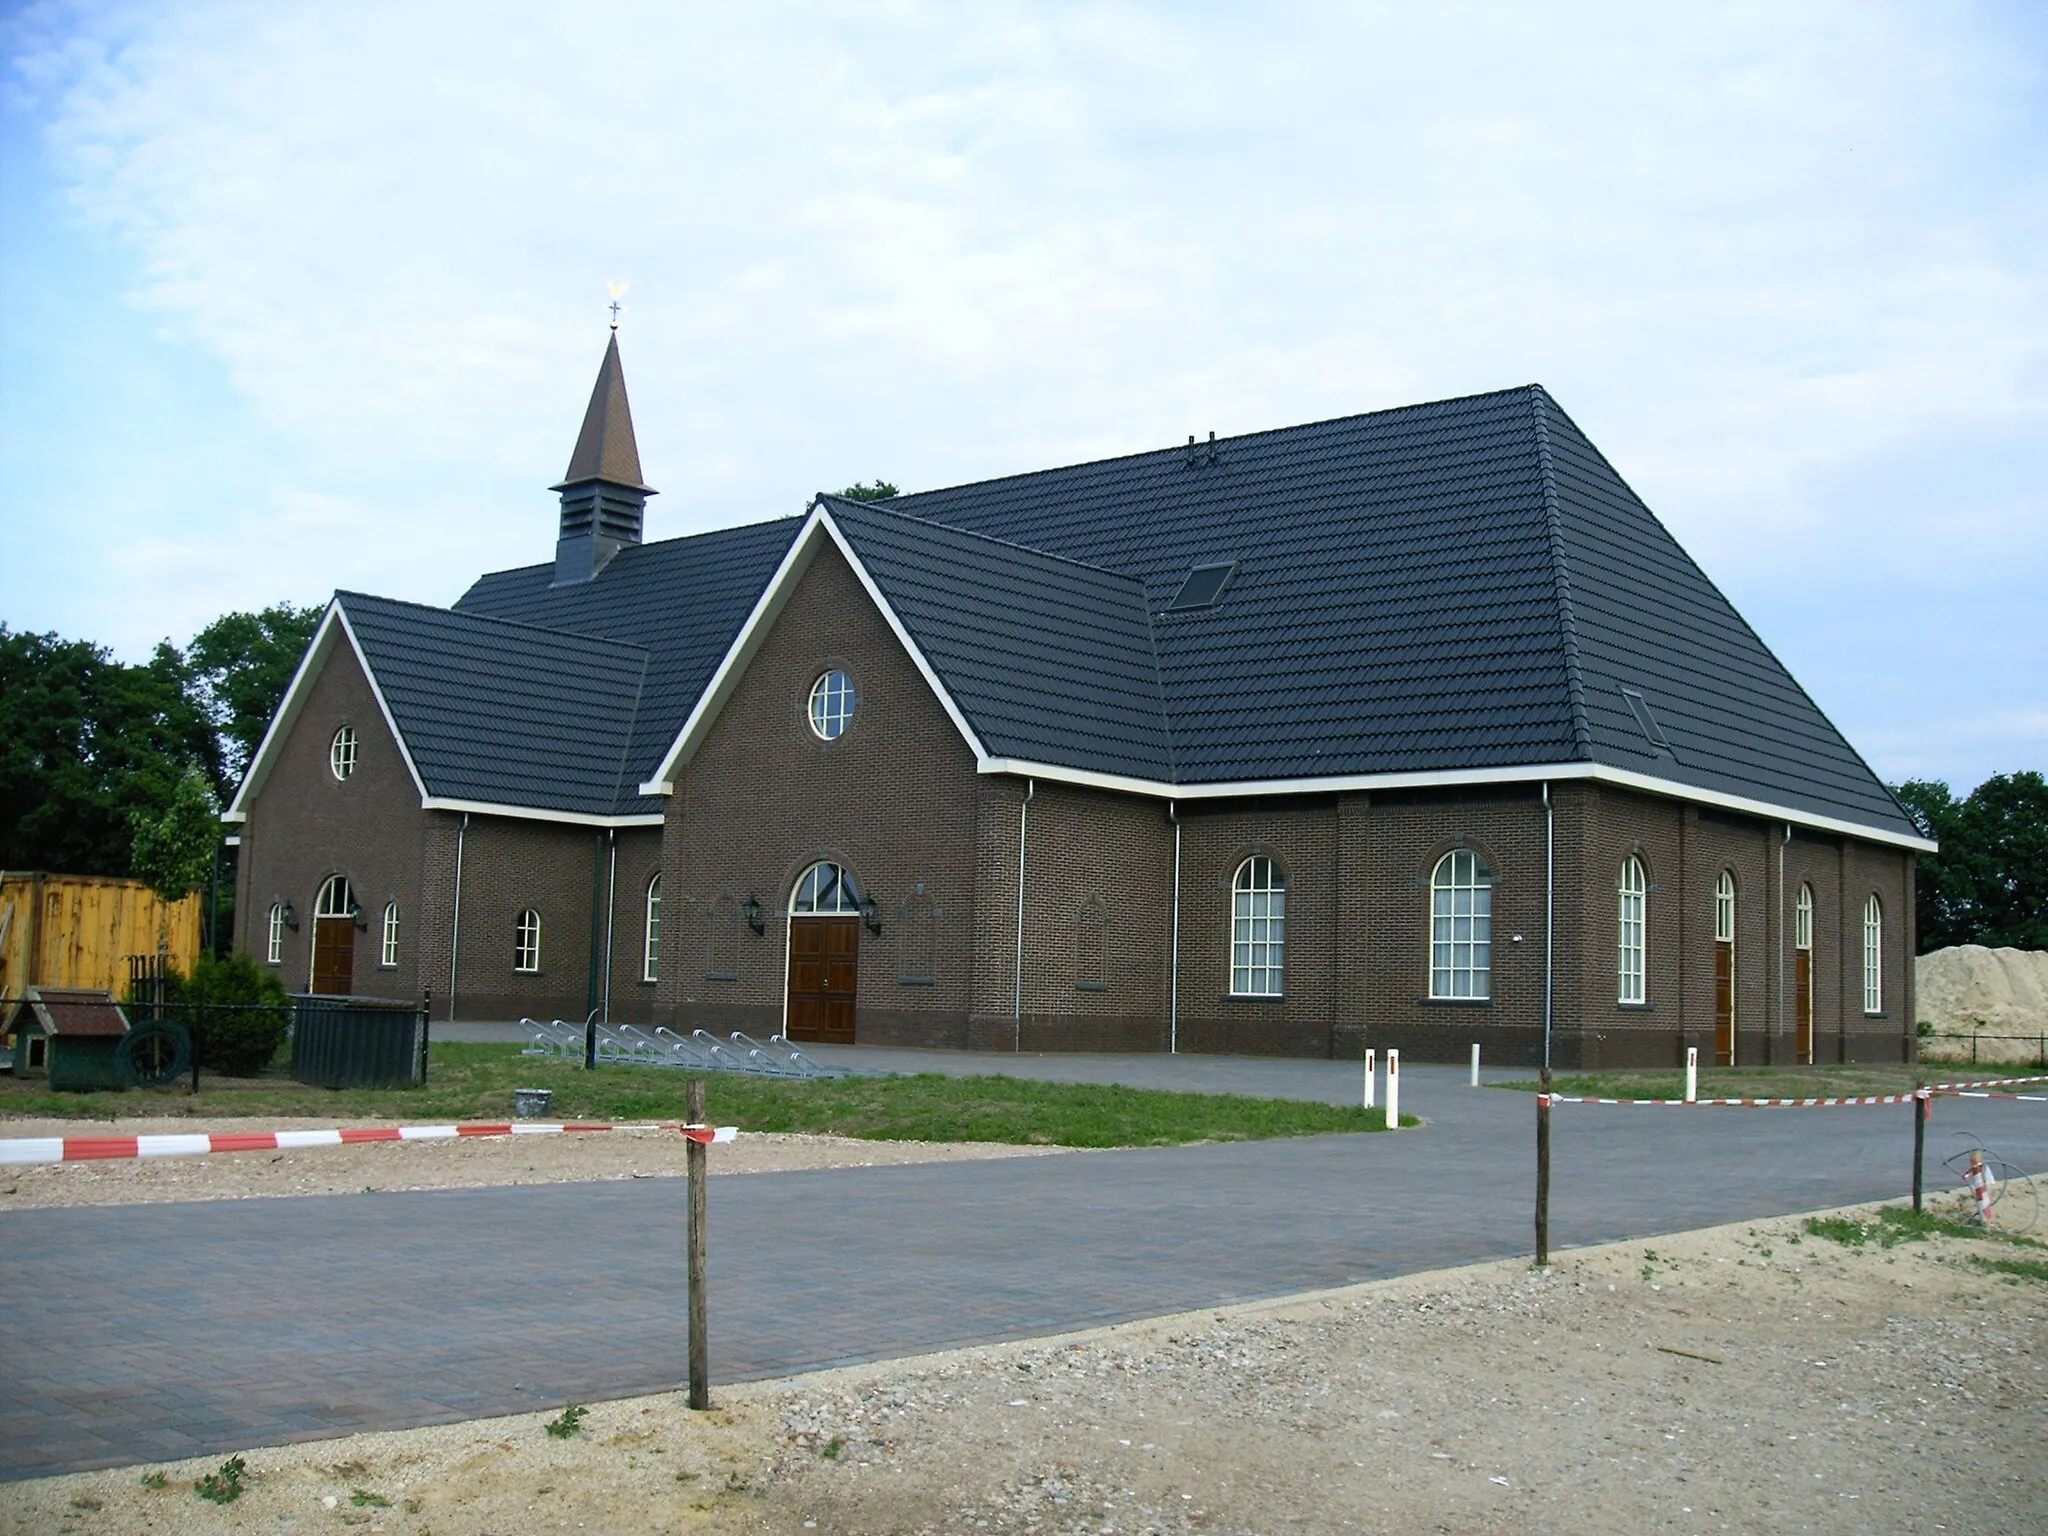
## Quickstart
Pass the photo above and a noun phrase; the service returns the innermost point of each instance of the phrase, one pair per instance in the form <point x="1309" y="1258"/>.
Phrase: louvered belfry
<point x="604" y="503"/>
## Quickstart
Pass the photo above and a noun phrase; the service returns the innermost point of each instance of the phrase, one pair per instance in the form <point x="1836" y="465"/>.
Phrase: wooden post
<point x="1543" y="1167"/>
<point x="1922" y="1107"/>
<point x="700" y="1349"/>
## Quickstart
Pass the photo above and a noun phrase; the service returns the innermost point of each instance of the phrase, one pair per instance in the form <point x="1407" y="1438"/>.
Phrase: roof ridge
<point x="341" y="593"/>
<point x="862" y="507"/>
<point x="1567" y="619"/>
<point x="1239" y="437"/>
<point x="619" y="780"/>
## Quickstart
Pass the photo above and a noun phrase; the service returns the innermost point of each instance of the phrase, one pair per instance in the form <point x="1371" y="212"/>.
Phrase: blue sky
<point x="300" y="296"/>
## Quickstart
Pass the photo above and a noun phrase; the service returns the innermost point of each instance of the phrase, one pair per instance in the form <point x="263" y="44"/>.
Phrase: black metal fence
<point x="358" y="1042"/>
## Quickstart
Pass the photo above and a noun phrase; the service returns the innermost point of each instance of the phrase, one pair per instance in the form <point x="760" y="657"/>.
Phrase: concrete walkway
<point x="148" y="1332"/>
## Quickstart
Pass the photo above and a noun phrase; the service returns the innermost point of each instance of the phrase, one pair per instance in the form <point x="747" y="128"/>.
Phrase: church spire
<point x="604" y="501"/>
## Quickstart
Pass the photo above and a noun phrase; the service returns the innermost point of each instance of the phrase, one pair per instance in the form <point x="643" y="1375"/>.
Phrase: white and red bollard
<point x="1393" y="1090"/>
<point x="1692" y="1074"/>
<point x="1982" y="1183"/>
<point x="1372" y="1069"/>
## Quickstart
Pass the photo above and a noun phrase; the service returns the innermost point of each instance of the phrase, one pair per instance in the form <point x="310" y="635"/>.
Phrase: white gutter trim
<point x="1450" y="777"/>
<point x="533" y="813"/>
<point x="767" y="608"/>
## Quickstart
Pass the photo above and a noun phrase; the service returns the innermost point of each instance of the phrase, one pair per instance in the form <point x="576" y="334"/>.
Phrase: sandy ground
<point x="377" y="1166"/>
<point x="1745" y="1378"/>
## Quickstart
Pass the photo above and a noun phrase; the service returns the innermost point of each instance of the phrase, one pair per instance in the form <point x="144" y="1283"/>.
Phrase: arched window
<point x="1802" y="919"/>
<point x="651" y="954"/>
<point x="526" y="941"/>
<point x="390" y="954"/>
<point x="275" y="954"/>
<point x="336" y="899"/>
<point x="824" y="890"/>
<point x="1461" y="927"/>
<point x="831" y="705"/>
<point x="1258" y="929"/>
<point x="1873" y="956"/>
<point x="1634" y="894"/>
<point x="1724" y="909"/>
<point x="341" y="755"/>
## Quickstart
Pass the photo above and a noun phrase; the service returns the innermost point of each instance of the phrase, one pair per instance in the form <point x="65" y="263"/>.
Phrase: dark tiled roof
<point x="606" y="448"/>
<point x="72" y="1011"/>
<point x="503" y="712"/>
<point x="682" y="601"/>
<point x="1460" y="585"/>
<point x="1049" y="660"/>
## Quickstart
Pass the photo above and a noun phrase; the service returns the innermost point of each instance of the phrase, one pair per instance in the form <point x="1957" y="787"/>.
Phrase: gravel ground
<point x="455" y="1164"/>
<point x="1745" y="1378"/>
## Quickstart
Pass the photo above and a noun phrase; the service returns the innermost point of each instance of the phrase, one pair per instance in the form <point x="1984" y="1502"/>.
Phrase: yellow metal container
<point x="79" y="930"/>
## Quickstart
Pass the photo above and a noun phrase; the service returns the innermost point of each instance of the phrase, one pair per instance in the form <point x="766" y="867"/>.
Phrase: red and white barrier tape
<point x="1968" y="1090"/>
<point x="85" y="1149"/>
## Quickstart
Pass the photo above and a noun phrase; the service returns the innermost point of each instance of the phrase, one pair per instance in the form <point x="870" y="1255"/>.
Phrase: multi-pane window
<point x="1461" y="927"/>
<point x="341" y="755"/>
<point x="336" y="899"/>
<point x="1258" y="929"/>
<point x="1634" y="901"/>
<point x="824" y="889"/>
<point x="652" y="952"/>
<point x="526" y="941"/>
<point x="1873" y="956"/>
<point x="1724" y="909"/>
<point x="275" y="953"/>
<point x="389" y="957"/>
<point x="1802" y="919"/>
<point x="832" y="704"/>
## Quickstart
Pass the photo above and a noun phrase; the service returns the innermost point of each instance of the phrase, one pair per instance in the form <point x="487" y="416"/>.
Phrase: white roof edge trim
<point x="535" y="813"/>
<point x="288" y="710"/>
<point x="767" y="608"/>
<point x="1451" y="777"/>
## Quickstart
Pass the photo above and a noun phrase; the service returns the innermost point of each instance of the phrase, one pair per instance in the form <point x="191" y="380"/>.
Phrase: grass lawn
<point x="475" y="1082"/>
<point x="1767" y="1082"/>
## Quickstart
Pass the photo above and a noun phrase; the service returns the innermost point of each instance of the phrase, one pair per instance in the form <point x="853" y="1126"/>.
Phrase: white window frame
<point x="526" y="943"/>
<point x="336" y="899"/>
<point x="1873" y="956"/>
<point x="650" y="950"/>
<point x="1724" y="908"/>
<point x="1461" y="879"/>
<point x="1632" y="893"/>
<point x="341" y="753"/>
<point x="806" y="896"/>
<point x="1802" y="918"/>
<point x="274" y="955"/>
<point x="1258" y="929"/>
<point x="832" y="703"/>
<point x="388" y="954"/>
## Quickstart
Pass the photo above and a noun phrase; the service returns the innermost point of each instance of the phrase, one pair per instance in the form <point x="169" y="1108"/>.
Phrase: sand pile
<point x="1970" y="991"/>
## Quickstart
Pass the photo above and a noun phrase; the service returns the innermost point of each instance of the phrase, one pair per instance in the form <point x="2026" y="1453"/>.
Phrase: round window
<point x="342" y="755"/>
<point x="832" y="704"/>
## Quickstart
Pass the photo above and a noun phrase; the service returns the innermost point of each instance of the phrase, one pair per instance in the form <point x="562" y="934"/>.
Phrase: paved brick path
<point x="146" y="1332"/>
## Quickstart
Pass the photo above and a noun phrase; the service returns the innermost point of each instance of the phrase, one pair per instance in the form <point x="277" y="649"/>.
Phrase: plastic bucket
<point x="531" y="1103"/>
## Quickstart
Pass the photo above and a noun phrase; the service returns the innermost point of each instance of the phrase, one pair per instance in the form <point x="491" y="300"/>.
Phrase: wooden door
<point x="334" y="956"/>
<point x="1724" y="1005"/>
<point x="1802" y="1003"/>
<point x="823" y="967"/>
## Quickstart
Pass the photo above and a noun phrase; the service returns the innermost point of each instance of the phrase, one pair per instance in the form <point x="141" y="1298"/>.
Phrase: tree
<point x="86" y="744"/>
<point x="242" y="663"/>
<point x="174" y="847"/>
<point x="1989" y="883"/>
<point x="860" y="490"/>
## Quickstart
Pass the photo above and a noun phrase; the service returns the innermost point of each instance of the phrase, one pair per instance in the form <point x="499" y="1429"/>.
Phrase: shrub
<point x="239" y="1038"/>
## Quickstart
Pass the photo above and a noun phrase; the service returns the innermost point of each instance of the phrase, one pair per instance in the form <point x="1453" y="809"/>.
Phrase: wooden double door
<point x="1724" y="1004"/>
<point x="824" y="967"/>
<point x="334" y="956"/>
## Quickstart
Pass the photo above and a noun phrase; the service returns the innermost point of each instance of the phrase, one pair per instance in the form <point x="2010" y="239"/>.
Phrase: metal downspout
<point x="1549" y="917"/>
<point x="611" y="896"/>
<point x="1173" y="977"/>
<point x="1017" y="997"/>
<point x="455" y="922"/>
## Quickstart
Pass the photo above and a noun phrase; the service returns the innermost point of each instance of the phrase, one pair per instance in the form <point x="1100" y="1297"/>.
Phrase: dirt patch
<point x="1744" y="1378"/>
<point x="1985" y="1004"/>
<point x="455" y="1164"/>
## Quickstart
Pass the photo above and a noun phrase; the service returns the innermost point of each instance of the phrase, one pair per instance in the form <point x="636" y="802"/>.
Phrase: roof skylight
<point x="1204" y="585"/>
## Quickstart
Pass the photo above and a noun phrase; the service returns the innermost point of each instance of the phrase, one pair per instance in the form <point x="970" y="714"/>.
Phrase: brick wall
<point x="893" y="800"/>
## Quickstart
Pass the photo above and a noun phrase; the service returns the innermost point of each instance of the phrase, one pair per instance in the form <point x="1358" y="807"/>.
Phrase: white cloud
<point x="1750" y="248"/>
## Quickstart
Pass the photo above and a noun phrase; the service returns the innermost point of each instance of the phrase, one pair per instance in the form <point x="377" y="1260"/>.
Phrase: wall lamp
<point x="290" y="917"/>
<point x="750" y="909"/>
<point x="871" y="916"/>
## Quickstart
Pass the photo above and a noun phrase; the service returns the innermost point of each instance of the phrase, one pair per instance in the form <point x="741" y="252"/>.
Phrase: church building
<point x="1412" y="729"/>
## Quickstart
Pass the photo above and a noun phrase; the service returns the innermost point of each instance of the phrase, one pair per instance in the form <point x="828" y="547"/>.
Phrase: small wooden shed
<point x="70" y="1037"/>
